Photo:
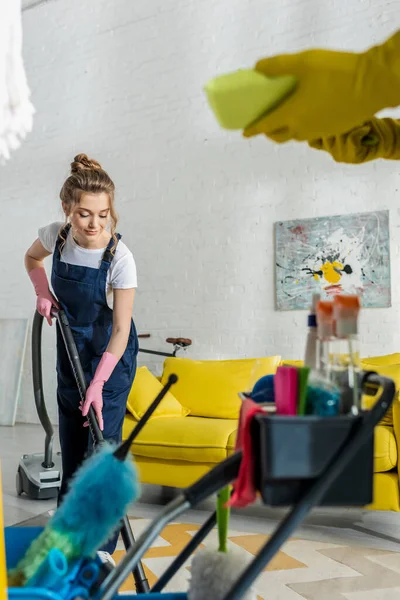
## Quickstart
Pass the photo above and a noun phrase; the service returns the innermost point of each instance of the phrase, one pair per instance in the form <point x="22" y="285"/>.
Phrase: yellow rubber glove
<point x="377" y="138"/>
<point x="336" y="91"/>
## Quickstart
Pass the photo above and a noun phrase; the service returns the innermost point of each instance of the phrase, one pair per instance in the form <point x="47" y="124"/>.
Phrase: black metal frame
<point x="159" y="352"/>
<point x="188" y="550"/>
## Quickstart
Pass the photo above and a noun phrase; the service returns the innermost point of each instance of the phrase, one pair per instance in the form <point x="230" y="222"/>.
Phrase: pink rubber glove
<point x="45" y="300"/>
<point x="94" y="394"/>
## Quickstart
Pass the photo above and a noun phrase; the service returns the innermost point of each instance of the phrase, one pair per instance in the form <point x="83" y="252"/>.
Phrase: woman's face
<point x="89" y="219"/>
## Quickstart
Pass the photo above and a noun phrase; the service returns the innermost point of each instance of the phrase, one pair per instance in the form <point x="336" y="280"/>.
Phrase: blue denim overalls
<point x="81" y="292"/>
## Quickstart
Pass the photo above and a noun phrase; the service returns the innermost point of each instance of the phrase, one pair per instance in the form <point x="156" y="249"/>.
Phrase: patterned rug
<point x="303" y="569"/>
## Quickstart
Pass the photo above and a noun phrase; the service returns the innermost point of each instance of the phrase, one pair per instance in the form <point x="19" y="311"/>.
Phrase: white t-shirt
<point x="122" y="272"/>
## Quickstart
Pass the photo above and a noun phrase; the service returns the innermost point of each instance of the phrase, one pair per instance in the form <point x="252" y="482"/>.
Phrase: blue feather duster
<point x="98" y="499"/>
<point x="99" y="496"/>
<point x="91" y="512"/>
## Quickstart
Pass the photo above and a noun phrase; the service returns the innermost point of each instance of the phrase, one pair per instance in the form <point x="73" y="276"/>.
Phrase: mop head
<point x="16" y="110"/>
<point x="91" y="512"/>
<point x="214" y="573"/>
<point x="239" y="99"/>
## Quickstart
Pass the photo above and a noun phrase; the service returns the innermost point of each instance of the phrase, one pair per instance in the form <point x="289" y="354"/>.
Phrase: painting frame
<point x="333" y="254"/>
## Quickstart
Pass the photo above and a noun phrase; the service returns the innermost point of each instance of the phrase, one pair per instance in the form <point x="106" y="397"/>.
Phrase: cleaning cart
<point x="302" y="462"/>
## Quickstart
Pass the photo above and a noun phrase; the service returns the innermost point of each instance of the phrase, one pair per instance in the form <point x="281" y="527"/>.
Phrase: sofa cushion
<point x="192" y="439"/>
<point x="144" y="390"/>
<point x="385" y="449"/>
<point x="210" y="388"/>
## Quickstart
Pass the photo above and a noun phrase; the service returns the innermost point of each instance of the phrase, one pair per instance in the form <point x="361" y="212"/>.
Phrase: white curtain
<point x="16" y="110"/>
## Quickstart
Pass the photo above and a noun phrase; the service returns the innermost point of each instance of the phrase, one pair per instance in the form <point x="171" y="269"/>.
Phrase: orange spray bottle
<point x="326" y="335"/>
<point x="346" y="359"/>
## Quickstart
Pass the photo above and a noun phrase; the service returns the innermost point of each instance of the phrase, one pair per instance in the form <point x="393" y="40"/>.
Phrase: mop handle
<point x="122" y="451"/>
<point x="77" y="370"/>
<point x="221" y="475"/>
<point x="223" y="513"/>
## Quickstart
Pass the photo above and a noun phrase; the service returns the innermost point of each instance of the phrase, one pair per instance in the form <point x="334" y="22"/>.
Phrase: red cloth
<point x="244" y="489"/>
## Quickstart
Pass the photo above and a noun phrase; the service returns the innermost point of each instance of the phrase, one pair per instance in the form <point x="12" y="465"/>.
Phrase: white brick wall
<point x="122" y="81"/>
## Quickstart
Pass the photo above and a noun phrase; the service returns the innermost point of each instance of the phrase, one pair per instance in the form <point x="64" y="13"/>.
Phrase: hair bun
<point x="83" y="163"/>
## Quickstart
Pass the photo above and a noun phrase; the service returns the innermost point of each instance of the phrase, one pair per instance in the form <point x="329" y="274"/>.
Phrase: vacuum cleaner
<point x="39" y="475"/>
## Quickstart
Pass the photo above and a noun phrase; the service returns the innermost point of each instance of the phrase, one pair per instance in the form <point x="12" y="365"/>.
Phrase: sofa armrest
<point x="396" y="426"/>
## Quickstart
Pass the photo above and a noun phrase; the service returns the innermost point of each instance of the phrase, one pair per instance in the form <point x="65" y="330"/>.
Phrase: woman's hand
<point x="94" y="397"/>
<point x="94" y="393"/>
<point x="45" y="305"/>
<point x="45" y="300"/>
<point x="336" y="91"/>
<point x="122" y="318"/>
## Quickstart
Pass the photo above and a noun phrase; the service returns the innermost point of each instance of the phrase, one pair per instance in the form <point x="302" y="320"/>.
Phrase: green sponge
<point x="240" y="98"/>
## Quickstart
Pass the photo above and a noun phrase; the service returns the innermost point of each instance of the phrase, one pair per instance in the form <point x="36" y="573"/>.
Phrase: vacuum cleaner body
<point x="35" y="479"/>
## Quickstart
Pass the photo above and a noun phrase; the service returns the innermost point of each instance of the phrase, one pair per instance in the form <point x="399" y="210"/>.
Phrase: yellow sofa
<point x="176" y="450"/>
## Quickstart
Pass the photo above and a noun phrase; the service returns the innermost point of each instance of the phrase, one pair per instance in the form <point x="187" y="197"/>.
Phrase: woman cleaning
<point x="93" y="279"/>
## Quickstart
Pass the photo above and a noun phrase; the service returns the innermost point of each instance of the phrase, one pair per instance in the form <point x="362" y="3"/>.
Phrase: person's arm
<point x="336" y="91"/>
<point x="34" y="257"/>
<point x="377" y="138"/>
<point x="34" y="264"/>
<point x="122" y="318"/>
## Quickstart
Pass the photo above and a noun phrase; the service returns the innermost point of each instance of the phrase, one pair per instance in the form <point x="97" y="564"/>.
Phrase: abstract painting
<point x="331" y="255"/>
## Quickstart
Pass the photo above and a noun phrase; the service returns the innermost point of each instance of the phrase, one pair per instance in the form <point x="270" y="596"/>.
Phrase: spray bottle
<point x="346" y="358"/>
<point x="312" y="348"/>
<point x="323" y="396"/>
<point x="326" y="336"/>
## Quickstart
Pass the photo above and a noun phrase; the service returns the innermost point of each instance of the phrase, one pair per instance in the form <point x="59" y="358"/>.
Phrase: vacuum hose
<point x="77" y="370"/>
<point x="38" y="390"/>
